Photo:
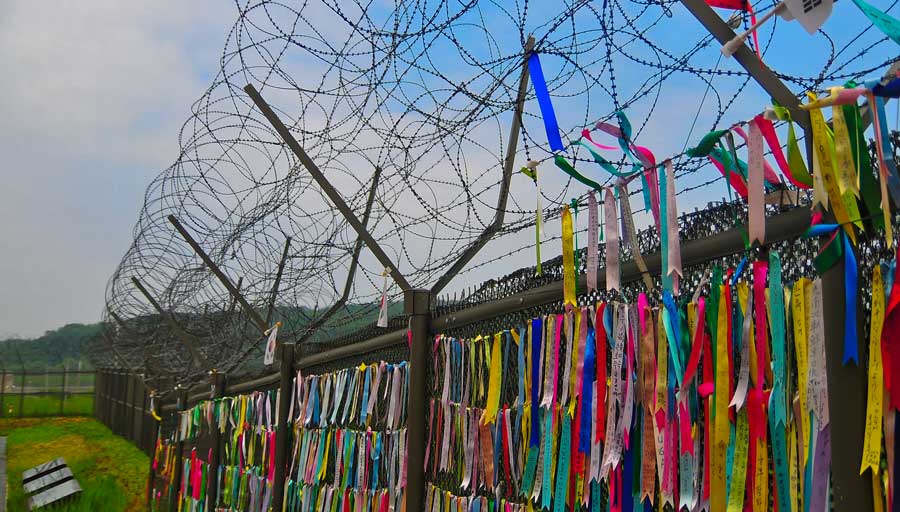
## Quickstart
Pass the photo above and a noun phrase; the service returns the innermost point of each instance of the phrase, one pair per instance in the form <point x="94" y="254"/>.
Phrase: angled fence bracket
<point x="284" y="255"/>
<point x="508" y="162"/>
<point x="326" y="186"/>
<point x="309" y="330"/>
<point x="254" y="316"/>
<point x="183" y="336"/>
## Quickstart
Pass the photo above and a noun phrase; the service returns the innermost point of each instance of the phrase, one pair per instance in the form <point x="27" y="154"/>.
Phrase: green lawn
<point x="112" y="471"/>
<point x="47" y="405"/>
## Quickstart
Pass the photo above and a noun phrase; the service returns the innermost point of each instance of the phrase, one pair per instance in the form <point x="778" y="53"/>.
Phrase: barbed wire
<point x="425" y="91"/>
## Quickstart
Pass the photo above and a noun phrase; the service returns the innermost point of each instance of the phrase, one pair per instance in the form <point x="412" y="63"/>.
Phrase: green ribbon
<point x="706" y="144"/>
<point x="794" y="155"/>
<point x="568" y="169"/>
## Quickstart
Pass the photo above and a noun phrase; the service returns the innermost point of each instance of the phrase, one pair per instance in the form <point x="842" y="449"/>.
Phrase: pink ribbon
<point x="756" y="192"/>
<point x="771" y="177"/>
<point x="768" y="132"/>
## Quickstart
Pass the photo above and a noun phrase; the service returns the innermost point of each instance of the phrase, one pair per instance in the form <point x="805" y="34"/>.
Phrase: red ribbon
<point x="890" y="339"/>
<point x="600" y="332"/>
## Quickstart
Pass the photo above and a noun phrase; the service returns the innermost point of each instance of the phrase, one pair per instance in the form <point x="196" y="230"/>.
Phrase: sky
<point x="94" y="97"/>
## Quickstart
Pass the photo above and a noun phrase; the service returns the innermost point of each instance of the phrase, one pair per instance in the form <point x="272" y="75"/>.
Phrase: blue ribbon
<point x="543" y="97"/>
<point x="891" y="89"/>
<point x="738" y="271"/>
<point x="645" y="188"/>
<point x="365" y="397"/>
<point x="587" y="392"/>
<point x="673" y="331"/>
<point x="522" y="341"/>
<point x="627" y="499"/>
<point x="537" y="331"/>
<point x="851" y="348"/>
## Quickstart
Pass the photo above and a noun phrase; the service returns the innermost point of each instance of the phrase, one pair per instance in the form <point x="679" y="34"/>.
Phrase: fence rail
<point x="123" y="400"/>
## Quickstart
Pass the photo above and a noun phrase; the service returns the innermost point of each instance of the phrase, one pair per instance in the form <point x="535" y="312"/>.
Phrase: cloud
<point x="94" y="96"/>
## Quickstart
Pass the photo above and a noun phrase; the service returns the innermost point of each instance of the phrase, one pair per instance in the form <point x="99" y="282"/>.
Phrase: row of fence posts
<point x="23" y="375"/>
<point x="123" y="404"/>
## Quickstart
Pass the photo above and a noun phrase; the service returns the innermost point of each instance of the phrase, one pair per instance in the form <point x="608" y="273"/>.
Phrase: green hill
<point x="52" y="350"/>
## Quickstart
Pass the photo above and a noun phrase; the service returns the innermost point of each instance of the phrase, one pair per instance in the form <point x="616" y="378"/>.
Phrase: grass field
<point x="47" y="405"/>
<point x="112" y="472"/>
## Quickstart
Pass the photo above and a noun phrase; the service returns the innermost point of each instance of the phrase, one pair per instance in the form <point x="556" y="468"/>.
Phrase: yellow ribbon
<point x="872" y="444"/>
<point x="824" y="158"/>
<point x="568" y="258"/>
<point x="321" y="474"/>
<point x="662" y="363"/>
<point x="761" y="483"/>
<point x="793" y="468"/>
<point x="739" y="467"/>
<point x="849" y="179"/>
<point x="800" y="304"/>
<point x="573" y="373"/>
<point x="493" y="400"/>
<point x="720" y="424"/>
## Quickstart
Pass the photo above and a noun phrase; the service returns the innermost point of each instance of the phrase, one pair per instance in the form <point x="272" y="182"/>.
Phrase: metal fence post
<point x="417" y="306"/>
<point x="128" y="403"/>
<point x="22" y="393"/>
<point x="846" y="401"/>
<point x="106" y="404"/>
<point x="283" y="430"/>
<point x="62" y="398"/>
<point x="3" y="395"/>
<point x="218" y="389"/>
<point x="97" y="409"/>
<point x="180" y="406"/>
<point x="151" y="482"/>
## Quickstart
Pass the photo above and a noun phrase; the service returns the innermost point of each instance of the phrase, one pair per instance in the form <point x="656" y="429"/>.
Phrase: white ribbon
<point x="592" y="243"/>
<point x="612" y="242"/>
<point x="674" y="249"/>
<point x="756" y="197"/>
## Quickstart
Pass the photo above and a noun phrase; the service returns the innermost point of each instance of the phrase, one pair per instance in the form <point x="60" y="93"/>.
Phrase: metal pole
<point x="254" y="316"/>
<point x="180" y="406"/>
<point x="847" y="401"/>
<point x="417" y="305"/>
<point x="179" y="332"/>
<point x="151" y="486"/>
<point x="62" y="398"/>
<point x="508" y="162"/>
<point x="309" y="330"/>
<point x="128" y="403"/>
<point x="22" y="393"/>
<point x="283" y="429"/>
<point x="749" y="60"/>
<point x="329" y="190"/>
<point x="284" y="255"/>
<point x="218" y="389"/>
<point x="3" y="395"/>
